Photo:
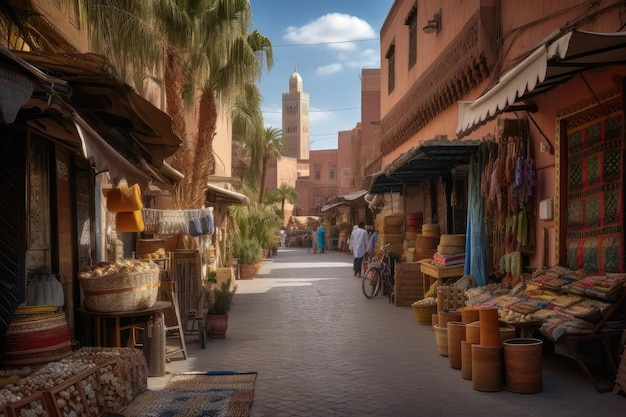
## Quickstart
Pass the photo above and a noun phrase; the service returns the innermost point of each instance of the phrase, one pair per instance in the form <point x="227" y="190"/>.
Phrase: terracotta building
<point x="534" y="85"/>
<point x="329" y="174"/>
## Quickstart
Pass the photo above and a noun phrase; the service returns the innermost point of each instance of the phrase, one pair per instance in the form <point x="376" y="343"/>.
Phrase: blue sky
<point x="329" y="42"/>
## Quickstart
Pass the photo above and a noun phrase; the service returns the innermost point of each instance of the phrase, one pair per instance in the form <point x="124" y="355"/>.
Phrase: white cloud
<point x="328" y="69"/>
<point x="368" y="58"/>
<point x="335" y="29"/>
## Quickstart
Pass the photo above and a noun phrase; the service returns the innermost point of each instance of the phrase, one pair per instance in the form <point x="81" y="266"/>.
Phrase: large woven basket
<point x="424" y="313"/>
<point x="121" y="292"/>
<point x="34" y="340"/>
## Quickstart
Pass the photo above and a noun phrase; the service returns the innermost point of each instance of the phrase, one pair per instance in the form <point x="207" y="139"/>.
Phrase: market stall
<point x="576" y="312"/>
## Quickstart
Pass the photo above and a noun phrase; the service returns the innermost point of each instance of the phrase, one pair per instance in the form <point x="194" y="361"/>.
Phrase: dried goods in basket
<point x="127" y="285"/>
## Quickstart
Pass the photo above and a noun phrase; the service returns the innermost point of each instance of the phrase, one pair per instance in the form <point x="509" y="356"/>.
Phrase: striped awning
<point x="549" y="65"/>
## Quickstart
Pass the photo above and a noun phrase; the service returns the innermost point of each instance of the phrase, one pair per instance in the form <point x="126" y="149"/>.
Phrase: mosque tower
<point x="296" y="123"/>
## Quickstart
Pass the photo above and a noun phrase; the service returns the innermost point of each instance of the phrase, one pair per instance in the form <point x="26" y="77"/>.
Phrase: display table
<point x="523" y="329"/>
<point x="133" y="320"/>
<point x="433" y="272"/>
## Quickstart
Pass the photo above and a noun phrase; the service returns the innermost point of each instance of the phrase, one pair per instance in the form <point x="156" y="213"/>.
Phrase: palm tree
<point x="281" y="195"/>
<point x="200" y="47"/>
<point x="271" y="146"/>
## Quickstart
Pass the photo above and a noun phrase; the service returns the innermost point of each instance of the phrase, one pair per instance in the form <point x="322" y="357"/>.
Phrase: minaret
<point x="296" y="120"/>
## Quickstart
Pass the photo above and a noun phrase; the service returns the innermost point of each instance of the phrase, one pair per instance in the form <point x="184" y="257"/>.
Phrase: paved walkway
<point x="321" y="349"/>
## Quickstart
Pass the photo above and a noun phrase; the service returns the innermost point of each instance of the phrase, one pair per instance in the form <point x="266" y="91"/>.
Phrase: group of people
<point x="360" y="243"/>
<point x="316" y="239"/>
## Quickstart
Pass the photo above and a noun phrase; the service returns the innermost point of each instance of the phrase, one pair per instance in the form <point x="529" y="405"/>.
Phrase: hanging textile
<point x="196" y="222"/>
<point x="595" y="196"/>
<point x="476" y="253"/>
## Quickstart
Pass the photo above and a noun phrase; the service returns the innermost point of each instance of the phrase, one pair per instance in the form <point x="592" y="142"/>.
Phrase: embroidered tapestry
<point x="595" y="197"/>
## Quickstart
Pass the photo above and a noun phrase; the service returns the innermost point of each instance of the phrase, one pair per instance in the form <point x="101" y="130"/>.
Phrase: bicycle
<point x="379" y="274"/>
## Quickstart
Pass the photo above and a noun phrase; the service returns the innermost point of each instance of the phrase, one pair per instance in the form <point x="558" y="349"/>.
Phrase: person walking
<point x="314" y="237"/>
<point x="343" y="238"/>
<point x="309" y="240"/>
<point x="321" y="238"/>
<point x="358" y="240"/>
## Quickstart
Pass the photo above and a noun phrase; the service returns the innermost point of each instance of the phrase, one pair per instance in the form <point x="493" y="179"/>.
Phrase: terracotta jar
<point x="456" y="334"/>
<point x="489" y="327"/>
<point x="522" y="365"/>
<point x="487" y="368"/>
<point x="472" y="332"/>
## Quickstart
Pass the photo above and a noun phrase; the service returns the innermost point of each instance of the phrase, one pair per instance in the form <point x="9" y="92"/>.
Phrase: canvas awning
<point x="431" y="158"/>
<point x="117" y="129"/>
<point x="302" y="222"/>
<point x="346" y="199"/>
<point x="551" y="64"/>
<point x="216" y="195"/>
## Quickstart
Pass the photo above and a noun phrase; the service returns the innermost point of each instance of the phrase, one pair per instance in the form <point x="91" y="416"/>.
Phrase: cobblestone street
<point x="322" y="349"/>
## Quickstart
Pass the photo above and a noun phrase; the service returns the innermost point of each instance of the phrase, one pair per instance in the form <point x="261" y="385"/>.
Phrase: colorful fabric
<point x="595" y="209"/>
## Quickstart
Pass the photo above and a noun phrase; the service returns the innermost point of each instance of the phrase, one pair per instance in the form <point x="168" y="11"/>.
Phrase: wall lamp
<point x="434" y="25"/>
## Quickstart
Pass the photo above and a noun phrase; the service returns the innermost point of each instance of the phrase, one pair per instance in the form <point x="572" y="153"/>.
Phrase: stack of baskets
<point x="451" y="244"/>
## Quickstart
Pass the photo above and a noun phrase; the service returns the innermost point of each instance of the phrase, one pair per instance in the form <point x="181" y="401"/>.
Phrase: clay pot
<point x="445" y="317"/>
<point x="247" y="271"/>
<point x="441" y="299"/>
<point x="489" y="327"/>
<point x="441" y="337"/>
<point x="472" y="332"/>
<point x="456" y="334"/>
<point x="522" y="365"/>
<point x="466" y="359"/>
<point x="217" y="324"/>
<point x="487" y="368"/>
<point x="470" y="316"/>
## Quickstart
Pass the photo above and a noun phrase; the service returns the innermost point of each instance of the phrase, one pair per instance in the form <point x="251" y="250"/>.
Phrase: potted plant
<point x="217" y="303"/>
<point x="254" y="223"/>
<point x="248" y="252"/>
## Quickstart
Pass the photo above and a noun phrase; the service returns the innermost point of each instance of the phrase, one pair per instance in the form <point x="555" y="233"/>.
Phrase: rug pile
<point x="210" y="394"/>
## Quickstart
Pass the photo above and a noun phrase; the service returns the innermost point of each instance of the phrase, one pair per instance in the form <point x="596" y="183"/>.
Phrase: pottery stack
<point x="487" y="354"/>
<point x="427" y="241"/>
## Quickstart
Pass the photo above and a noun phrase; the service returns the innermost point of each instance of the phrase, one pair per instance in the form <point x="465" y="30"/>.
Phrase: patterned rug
<point x="211" y="394"/>
<point x="595" y="210"/>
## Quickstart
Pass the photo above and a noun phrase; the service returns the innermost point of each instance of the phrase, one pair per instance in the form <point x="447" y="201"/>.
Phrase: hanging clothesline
<point x="195" y="222"/>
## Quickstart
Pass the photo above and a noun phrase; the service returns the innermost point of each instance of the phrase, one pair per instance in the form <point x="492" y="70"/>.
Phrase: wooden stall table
<point x="136" y="319"/>
<point x="433" y="272"/>
<point x="523" y="329"/>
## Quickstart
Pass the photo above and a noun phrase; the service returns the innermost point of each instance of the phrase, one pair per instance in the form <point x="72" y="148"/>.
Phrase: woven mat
<point x="212" y="394"/>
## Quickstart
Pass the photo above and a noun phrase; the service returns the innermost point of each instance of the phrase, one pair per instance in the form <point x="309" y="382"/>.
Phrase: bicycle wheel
<point x="371" y="282"/>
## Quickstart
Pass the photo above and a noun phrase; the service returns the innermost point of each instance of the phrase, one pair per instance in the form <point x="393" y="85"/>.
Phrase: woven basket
<point x="424" y="313"/>
<point x="121" y="292"/>
<point x="36" y="340"/>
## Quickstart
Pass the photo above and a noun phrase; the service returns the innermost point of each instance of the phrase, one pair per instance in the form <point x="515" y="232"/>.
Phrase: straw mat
<point x="211" y="394"/>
